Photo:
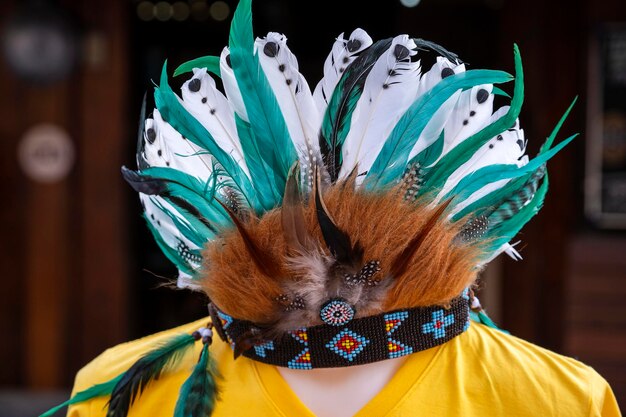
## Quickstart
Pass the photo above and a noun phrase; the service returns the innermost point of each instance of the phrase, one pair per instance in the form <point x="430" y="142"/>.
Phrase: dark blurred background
<point x="80" y="272"/>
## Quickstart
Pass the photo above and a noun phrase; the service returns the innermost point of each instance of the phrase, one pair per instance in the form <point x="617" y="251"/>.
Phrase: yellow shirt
<point x="482" y="372"/>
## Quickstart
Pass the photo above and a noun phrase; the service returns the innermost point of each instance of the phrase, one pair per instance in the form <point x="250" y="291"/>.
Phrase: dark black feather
<point x="424" y="44"/>
<point x="144" y="184"/>
<point x="337" y="240"/>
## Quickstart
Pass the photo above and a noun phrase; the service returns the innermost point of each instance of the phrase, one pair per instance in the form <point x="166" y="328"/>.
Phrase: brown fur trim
<point x="382" y="223"/>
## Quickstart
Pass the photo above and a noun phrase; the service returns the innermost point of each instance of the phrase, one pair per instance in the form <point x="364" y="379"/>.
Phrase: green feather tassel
<point x="482" y="318"/>
<point x="198" y="394"/>
<point x="98" y="390"/>
<point x="390" y="163"/>
<point x="211" y="63"/>
<point x="148" y="368"/>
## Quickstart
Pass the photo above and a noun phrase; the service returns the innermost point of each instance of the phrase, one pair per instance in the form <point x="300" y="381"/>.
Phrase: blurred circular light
<point x="219" y="10"/>
<point x="145" y="11"/>
<point x="180" y="11"/>
<point x="163" y="11"/>
<point x="199" y="10"/>
<point x="410" y="3"/>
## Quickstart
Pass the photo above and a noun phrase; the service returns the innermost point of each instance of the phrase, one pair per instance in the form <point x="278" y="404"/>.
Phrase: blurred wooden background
<point x="73" y="252"/>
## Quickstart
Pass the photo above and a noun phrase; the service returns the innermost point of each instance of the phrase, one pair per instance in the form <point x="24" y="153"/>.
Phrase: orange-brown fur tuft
<point x="383" y="223"/>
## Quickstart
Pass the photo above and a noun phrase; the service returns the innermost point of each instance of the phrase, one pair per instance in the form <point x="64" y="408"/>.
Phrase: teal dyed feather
<point x="482" y="318"/>
<point x="178" y="187"/>
<point x="492" y="173"/>
<point x="198" y="394"/>
<point x="148" y="368"/>
<point x="264" y="115"/>
<point x="98" y="390"/>
<point x="429" y="155"/>
<point x="265" y="182"/>
<point x="175" y="114"/>
<point x="504" y="232"/>
<point x="548" y="143"/>
<point x="211" y="63"/>
<point x="391" y="161"/>
<point x="169" y="252"/>
<point x="519" y="199"/>
<point x="460" y="154"/>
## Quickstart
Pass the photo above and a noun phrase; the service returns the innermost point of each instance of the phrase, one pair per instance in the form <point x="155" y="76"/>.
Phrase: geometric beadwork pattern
<point x="395" y="347"/>
<point x="347" y="344"/>
<point x="438" y="324"/>
<point x="393" y="320"/>
<point x="260" y="349"/>
<point x="364" y="340"/>
<point x="302" y="359"/>
<point x="225" y="319"/>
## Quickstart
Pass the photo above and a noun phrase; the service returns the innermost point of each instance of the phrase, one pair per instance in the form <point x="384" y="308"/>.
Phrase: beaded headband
<point x="344" y="341"/>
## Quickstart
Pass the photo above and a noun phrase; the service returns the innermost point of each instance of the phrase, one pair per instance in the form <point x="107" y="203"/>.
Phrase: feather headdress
<point x="389" y="186"/>
<point x="383" y="191"/>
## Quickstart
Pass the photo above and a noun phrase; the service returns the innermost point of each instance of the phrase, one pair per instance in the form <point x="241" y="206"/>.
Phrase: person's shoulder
<point x="539" y="373"/>
<point x="119" y="358"/>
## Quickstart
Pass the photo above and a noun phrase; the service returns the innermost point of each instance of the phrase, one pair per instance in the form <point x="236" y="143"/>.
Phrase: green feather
<point x="264" y="180"/>
<point x="266" y="120"/>
<point x="211" y="63"/>
<point x="198" y="394"/>
<point x="148" y="368"/>
<point x="499" y="92"/>
<point x="392" y="159"/>
<point x="192" y="228"/>
<point x="482" y="318"/>
<point x="436" y="178"/>
<point x="98" y="390"/>
<point x="200" y="196"/>
<point x="548" y="143"/>
<point x="492" y="173"/>
<point x="175" y="114"/>
<point x="504" y="232"/>
<point x="169" y="252"/>
<point x="491" y="201"/>
<point x="429" y="155"/>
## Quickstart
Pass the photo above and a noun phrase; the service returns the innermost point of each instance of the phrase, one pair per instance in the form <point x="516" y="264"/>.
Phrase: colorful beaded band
<point x="344" y="341"/>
